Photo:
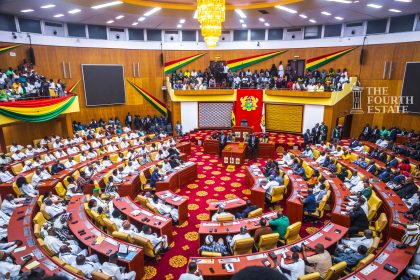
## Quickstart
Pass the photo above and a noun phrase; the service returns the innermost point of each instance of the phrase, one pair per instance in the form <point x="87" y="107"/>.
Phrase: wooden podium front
<point x="234" y="154"/>
<point x="211" y="146"/>
<point x="241" y="132"/>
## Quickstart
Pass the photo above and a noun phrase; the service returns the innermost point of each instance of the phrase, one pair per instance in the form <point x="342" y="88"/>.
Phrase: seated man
<point x="269" y="186"/>
<point x="351" y="257"/>
<point x="319" y="195"/>
<point x="155" y="177"/>
<point x="243" y="233"/>
<point x="264" y="229"/>
<point x="157" y="242"/>
<point x="320" y="262"/>
<point x="309" y="203"/>
<point x="70" y="162"/>
<point x="300" y="171"/>
<point x="39" y="176"/>
<point x="192" y="274"/>
<point x="353" y="181"/>
<point x="112" y="269"/>
<point x="213" y="246"/>
<point x="111" y="188"/>
<point x="57" y="167"/>
<point x="54" y="210"/>
<point x="296" y="268"/>
<point x="10" y="203"/>
<point x="353" y="243"/>
<point x="249" y="208"/>
<point x="358" y="220"/>
<point x="7" y="266"/>
<point x="165" y="209"/>
<point x="70" y="258"/>
<point x="280" y="224"/>
<point x="308" y="153"/>
<point x="54" y="243"/>
<point x="321" y="159"/>
<point x="220" y="212"/>
<point x="86" y="266"/>
<point x="5" y="176"/>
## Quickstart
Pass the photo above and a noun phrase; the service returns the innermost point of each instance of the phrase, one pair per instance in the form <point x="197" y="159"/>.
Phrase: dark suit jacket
<point x="154" y="178"/>
<point x="256" y="142"/>
<point x="358" y="219"/>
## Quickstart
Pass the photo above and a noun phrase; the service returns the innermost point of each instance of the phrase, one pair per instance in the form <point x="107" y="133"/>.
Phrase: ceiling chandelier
<point x="211" y="15"/>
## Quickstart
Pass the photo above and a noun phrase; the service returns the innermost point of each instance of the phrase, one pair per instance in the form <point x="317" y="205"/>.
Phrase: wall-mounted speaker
<point x="161" y="60"/>
<point x="362" y="56"/>
<point x="32" y="55"/>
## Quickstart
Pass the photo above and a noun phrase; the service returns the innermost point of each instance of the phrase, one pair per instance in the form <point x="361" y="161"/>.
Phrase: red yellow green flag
<point x="8" y="48"/>
<point x="316" y="62"/>
<point x="174" y="65"/>
<point x="240" y="63"/>
<point x="159" y="105"/>
<point x="73" y="87"/>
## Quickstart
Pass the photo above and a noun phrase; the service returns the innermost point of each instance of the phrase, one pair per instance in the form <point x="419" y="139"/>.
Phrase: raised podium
<point x="234" y="154"/>
<point x="241" y="132"/>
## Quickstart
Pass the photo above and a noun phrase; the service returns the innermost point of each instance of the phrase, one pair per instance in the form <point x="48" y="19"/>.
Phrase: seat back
<point x="152" y="208"/>
<point x="113" y="157"/>
<point x="45" y="247"/>
<point x="243" y="246"/>
<point x="29" y="176"/>
<point x="210" y="254"/>
<point x="381" y="223"/>
<point x="268" y="241"/>
<point x="278" y="193"/>
<point x="17" y="190"/>
<point x="146" y="244"/>
<point x="286" y="180"/>
<point x="97" y="218"/>
<point x="87" y="209"/>
<point x="374" y="246"/>
<point x="292" y="232"/>
<point x="65" y="182"/>
<point x="316" y="153"/>
<point x="374" y="203"/>
<point x="17" y="168"/>
<point x="257" y="212"/>
<point x="39" y="219"/>
<point x="74" y="270"/>
<point x="142" y="199"/>
<point x="364" y="261"/>
<point x="310" y="276"/>
<point x="58" y="261"/>
<point x="60" y="190"/>
<point x="97" y="275"/>
<point x="44" y="213"/>
<point x="39" y="200"/>
<point x="335" y="271"/>
<point x="110" y="226"/>
<point x="123" y="236"/>
<point x="37" y="230"/>
<point x="225" y="218"/>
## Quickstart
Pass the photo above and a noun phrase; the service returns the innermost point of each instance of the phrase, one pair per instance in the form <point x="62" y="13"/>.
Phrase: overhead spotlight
<point x="258" y="44"/>
<point x="14" y="36"/>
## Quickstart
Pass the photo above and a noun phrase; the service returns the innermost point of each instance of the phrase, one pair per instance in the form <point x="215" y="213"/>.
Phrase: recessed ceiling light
<point x="339" y="18"/>
<point x="195" y="14"/>
<point x="341" y="1"/>
<point x="179" y="26"/>
<point x="394" y="10"/>
<point x="376" y="6"/>
<point x="266" y="24"/>
<point x="240" y="13"/>
<point x="182" y="21"/>
<point x="74" y="11"/>
<point x="119" y="17"/>
<point x="141" y="18"/>
<point x="58" y="15"/>
<point x="303" y="16"/>
<point x="241" y="21"/>
<point x="312" y="20"/>
<point x="286" y="9"/>
<point x="261" y="19"/>
<point x="243" y="25"/>
<point x="113" y="3"/>
<point x="325" y="13"/>
<point x="135" y="23"/>
<point x="110" y="21"/>
<point x="152" y="11"/>
<point x="48" y="6"/>
<point x="405" y="1"/>
<point x="26" y="11"/>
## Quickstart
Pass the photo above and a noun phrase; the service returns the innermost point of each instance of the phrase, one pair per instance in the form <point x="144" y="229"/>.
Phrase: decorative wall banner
<point x="249" y="104"/>
<point x="240" y="63"/>
<point x="316" y="62"/>
<point x="36" y="110"/>
<point x="8" y="48"/>
<point x="159" y="105"/>
<point x="174" y="65"/>
<point x="73" y="87"/>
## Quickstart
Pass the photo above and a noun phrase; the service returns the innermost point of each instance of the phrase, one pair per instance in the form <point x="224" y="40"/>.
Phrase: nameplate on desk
<point x="146" y="213"/>
<point x="253" y="220"/>
<point x="160" y="218"/>
<point x="257" y="257"/>
<point x="369" y="269"/>
<point x="211" y="224"/>
<point x="82" y="215"/>
<point x="135" y="212"/>
<point x="81" y="207"/>
<point x="327" y="228"/>
<point x="231" y="223"/>
<point x="49" y="264"/>
<point x="354" y="277"/>
<point x="231" y="200"/>
<point x="384" y="195"/>
<point x="166" y="195"/>
<point x="26" y="231"/>
<point x="391" y="246"/>
<point x="28" y="210"/>
<point x="381" y="258"/>
<point x="281" y="251"/>
<point x="269" y="215"/>
<point x="38" y="254"/>
<point x="229" y="260"/>
<point x="26" y="220"/>
<point x="177" y="198"/>
<point x="204" y="261"/>
<point x="111" y="241"/>
<point x="88" y="224"/>
<point x="30" y="241"/>
<point x="315" y="236"/>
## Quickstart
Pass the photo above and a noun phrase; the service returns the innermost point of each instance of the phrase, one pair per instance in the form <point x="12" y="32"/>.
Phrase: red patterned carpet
<point x="213" y="183"/>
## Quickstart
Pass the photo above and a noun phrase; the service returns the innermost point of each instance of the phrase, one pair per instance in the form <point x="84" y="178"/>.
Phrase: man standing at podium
<point x="253" y="145"/>
<point x="222" y="143"/>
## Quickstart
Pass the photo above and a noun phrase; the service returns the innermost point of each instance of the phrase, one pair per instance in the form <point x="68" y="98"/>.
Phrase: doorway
<point x="345" y="123"/>
<point x="298" y="67"/>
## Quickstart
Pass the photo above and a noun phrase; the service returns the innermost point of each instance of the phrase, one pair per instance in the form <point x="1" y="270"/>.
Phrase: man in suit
<point x="155" y="177"/>
<point x="365" y="132"/>
<point x="249" y="208"/>
<point x="358" y="220"/>
<point x="57" y="167"/>
<point x="371" y="168"/>
<point x="222" y="143"/>
<point x="253" y="142"/>
<point x="307" y="137"/>
<point x="128" y="120"/>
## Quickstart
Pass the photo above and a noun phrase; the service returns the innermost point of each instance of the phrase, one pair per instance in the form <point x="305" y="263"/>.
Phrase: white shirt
<point x="54" y="210"/>
<point x="57" y="145"/>
<point x="8" y="206"/>
<point x="30" y="152"/>
<point x="59" y="154"/>
<point x="355" y="242"/>
<point x="124" y="145"/>
<point x="69" y="163"/>
<point x="92" y="155"/>
<point x="72" y="150"/>
<point x="321" y="159"/>
<point x="238" y="237"/>
<point x="296" y="269"/>
<point x="382" y="143"/>
<point x="29" y="190"/>
<point x="9" y="267"/>
<point x="18" y="156"/>
<point x="71" y="189"/>
<point x="88" y="268"/>
<point x="269" y="186"/>
<point x="166" y="167"/>
<point x="6" y="176"/>
<point x="15" y="148"/>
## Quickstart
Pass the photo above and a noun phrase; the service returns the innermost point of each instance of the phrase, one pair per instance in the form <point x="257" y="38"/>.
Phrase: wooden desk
<point x="184" y="147"/>
<point x="266" y="150"/>
<point x="178" y="177"/>
<point x="109" y="245"/>
<point x="241" y="261"/>
<point x="222" y="229"/>
<point x="159" y="224"/>
<point x="389" y="254"/>
<point x="231" y="206"/>
<point x="211" y="146"/>
<point x="294" y="207"/>
<point x="235" y="155"/>
<point x="21" y="228"/>
<point x="181" y="203"/>
<point x="253" y="178"/>
<point x="241" y="132"/>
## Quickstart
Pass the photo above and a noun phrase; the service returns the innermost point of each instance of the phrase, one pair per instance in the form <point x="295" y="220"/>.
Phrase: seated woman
<point x="26" y="188"/>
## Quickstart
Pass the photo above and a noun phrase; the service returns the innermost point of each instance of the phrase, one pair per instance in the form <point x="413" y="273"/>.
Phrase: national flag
<point x="233" y="118"/>
<point x="262" y="123"/>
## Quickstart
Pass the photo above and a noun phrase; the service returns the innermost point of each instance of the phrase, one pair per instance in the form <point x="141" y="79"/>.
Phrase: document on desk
<point x="327" y="228"/>
<point x="229" y="260"/>
<point x="135" y="212"/>
<point x="231" y="223"/>
<point x="207" y="260"/>
<point x="257" y="257"/>
<point x="96" y="232"/>
<point x="381" y="258"/>
<point x="48" y="263"/>
<point x="147" y="213"/>
<point x="32" y="265"/>
<point x="281" y="251"/>
<point x="160" y="218"/>
<point x="369" y="269"/>
<point x="23" y="248"/>
<point x="211" y="224"/>
<point x="315" y="236"/>
<point x="88" y="224"/>
<point x="99" y="240"/>
<point x="166" y="195"/>
<point x="111" y="241"/>
<point x="177" y="198"/>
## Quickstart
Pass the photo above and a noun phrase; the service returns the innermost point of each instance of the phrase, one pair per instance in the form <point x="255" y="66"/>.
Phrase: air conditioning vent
<point x="264" y="12"/>
<point x="354" y="24"/>
<point x="116" y="29"/>
<point x="294" y="29"/>
<point x="53" y="24"/>
<point x="173" y="32"/>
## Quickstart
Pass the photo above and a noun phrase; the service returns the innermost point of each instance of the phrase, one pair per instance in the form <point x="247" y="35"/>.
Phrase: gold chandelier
<point x="211" y="15"/>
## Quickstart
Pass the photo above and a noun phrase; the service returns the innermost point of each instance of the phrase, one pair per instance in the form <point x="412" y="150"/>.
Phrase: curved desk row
<point x="179" y="202"/>
<point x="232" y="205"/>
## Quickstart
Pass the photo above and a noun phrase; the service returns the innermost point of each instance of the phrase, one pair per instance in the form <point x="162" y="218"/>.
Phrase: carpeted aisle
<point x="213" y="183"/>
